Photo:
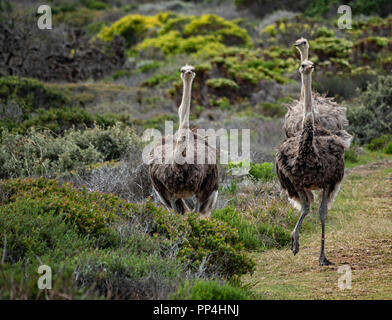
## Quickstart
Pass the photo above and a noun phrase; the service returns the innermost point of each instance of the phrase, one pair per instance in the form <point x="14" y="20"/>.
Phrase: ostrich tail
<point x="295" y="203"/>
<point x="346" y="138"/>
<point x="332" y="195"/>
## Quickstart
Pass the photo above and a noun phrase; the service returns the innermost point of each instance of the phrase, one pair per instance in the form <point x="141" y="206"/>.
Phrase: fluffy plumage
<point x="184" y="165"/>
<point x="327" y="113"/>
<point x="311" y="160"/>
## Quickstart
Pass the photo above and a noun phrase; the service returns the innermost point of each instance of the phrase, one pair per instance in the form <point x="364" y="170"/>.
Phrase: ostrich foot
<point x="324" y="261"/>
<point x="294" y="244"/>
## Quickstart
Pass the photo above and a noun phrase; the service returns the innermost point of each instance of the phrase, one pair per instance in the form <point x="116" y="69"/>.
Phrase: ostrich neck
<point x="305" y="148"/>
<point x="183" y="113"/>
<point x="304" y="56"/>
<point x="307" y="83"/>
<point x="185" y="106"/>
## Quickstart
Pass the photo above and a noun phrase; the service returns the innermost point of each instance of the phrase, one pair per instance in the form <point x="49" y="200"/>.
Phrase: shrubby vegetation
<point x="107" y="245"/>
<point x="372" y="117"/>
<point x="254" y="236"/>
<point x="41" y="153"/>
<point x="257" y="171"/>
<point x="314" y="8"/>
<point x="104" y="236"/>
<point x="29" y="94"/>
<point x="210" y="290"/>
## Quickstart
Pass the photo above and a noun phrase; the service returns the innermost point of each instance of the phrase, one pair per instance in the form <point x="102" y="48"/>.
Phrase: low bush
<point x="257" y="171"/>
<point x="108" y="247"/>
<point x="253" y="235"/>
<point x="30" y="94"/>
<point x="133" y="28"/>
<point x="351" y="155"/>
<point x="372" y="117"/>
<point x="388" y="148"/>
<point x="379" y="143"/>
<point x="209" y="290"/>
<point x="41" y="153"/>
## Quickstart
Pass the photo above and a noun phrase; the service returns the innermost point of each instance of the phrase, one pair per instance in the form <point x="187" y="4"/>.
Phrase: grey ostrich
<point x="327" y="113"/>
<point x="310" y="161"/>
<point x="188" y="167"/>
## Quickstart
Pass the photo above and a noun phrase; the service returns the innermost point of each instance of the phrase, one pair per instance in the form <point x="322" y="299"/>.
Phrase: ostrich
<point x="309" y="162"/>
<point x="327" y="113"/>
<point x="190" y="169"/>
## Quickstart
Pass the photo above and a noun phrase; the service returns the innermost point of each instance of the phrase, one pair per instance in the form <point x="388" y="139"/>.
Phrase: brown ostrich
<point x="184" y="165"/>
<point x="327" y="113"/>
<point x="310" y="162"/>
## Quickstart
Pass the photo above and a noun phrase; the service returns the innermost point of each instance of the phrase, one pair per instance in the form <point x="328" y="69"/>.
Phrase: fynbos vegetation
<point x="75" y="101"/>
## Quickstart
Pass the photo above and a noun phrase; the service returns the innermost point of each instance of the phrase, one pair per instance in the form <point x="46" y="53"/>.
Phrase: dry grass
<point x="358" y="233"/>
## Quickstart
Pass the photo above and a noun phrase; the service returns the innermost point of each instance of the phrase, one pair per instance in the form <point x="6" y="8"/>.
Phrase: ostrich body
<point x="310" y="162"/>
<point x="327" y="113"/>
<point x="188" y="166"/>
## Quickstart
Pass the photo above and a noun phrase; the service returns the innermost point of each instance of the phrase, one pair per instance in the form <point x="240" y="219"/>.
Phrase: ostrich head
<point x="306" y="67"/>
<point x="302" y="46"/>
<point x="187" y="73"/>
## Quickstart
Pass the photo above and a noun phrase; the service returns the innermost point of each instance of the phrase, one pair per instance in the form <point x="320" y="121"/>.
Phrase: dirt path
<point x="358" y="234"/>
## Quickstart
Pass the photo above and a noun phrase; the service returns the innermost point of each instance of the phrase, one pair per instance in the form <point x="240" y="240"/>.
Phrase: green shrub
<point x="262" y="171"/>
<point x="257" y="171"/>
<point x="203" y="36"/>
<point x="388" y="148"/>
<point x="225" y="31"/>
<point x="210" y="290"/>
<point x="30" y="94"/>
<point x="133" y="28"/>
<point x="40" y="153"/>
<point x="317" y="7"/>
<point x="372" y="117"/>
<point x="159" y="79"/>
<point x="61" y="119"/>
<point x="222" y="83"/>
<point x="80" y="235"/>
<point x="107" y="245"/>
<point x="379" y="143"/>
<point x="121" y="74"/>
<point x="231" y="188"/>
<point x="95" y="4"/>
<point x="351" y="155"/>
<point x="327" y="47"/>
<point x="253" y="235"/>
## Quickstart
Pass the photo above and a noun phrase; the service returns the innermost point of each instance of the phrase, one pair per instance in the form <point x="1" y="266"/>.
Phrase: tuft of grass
<point x="210" y="290"/>
<point x="253" y="235"/>
<point x="388" y="148"/>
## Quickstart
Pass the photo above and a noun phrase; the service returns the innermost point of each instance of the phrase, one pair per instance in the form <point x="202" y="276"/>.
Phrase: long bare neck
<point x="304" y="56"/>
<point x="306" y="140"/>
<point x="307" y="83"/>
<point x="184" y="110"/>
<point x="183" y="113"/>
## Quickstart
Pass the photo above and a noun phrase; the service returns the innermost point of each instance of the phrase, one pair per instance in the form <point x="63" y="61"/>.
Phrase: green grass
<point x="210" y="290"/>
<point x="358" y="232"/>
<point x="367" y="157"/>
<point x="253" y="235"/>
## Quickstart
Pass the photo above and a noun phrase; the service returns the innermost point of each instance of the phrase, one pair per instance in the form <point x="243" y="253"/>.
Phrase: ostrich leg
<point x="206" y="204"/>
<point x="295" y="234"/>
<point x="323" y="214"/>
<point x="163" y="199"/>
<point x="181" y="206"/>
